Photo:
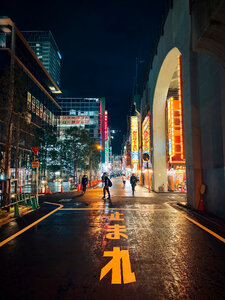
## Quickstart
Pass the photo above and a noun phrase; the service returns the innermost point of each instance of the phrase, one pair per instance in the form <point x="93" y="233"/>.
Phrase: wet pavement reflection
<point x="141" y="246"/>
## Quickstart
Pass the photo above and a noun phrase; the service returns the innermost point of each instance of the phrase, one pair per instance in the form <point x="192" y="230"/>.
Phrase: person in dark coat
<point x="105" y="181"/>
<point x="133" y="182"/>
<point x="84" y="182"/>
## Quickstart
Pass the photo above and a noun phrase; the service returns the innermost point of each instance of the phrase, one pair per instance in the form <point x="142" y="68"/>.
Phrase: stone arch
<point x="159" y="103"/>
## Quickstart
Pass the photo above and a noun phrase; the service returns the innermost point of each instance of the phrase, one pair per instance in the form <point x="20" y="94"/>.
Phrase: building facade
<point x="86" y="113"/>
<point x="27" y="101"/>
<point x="47" y="51"/>
<point x="186" y="77"/>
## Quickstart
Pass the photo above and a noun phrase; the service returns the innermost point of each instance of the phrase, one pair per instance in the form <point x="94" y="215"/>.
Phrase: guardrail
<point x="25" y="199"/>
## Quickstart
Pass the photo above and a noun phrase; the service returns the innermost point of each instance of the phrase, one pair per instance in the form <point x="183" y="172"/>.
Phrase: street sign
<point x="35" y="164"/>
<point x="35" y="150"/>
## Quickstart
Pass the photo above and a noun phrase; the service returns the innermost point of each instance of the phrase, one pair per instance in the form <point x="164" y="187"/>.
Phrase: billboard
<point x="134" y="140"/>
<point x="146" y="135"/>
<point x="175" y="134"/>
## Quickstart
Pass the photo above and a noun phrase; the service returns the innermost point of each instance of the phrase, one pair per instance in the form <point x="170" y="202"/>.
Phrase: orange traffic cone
<point x="78" y="187"/>
<point x="201" y="204"/>
<point x="20" y="190"/>
<point x="49" y="190"/>
<point x="182" y="189"/>
<point x="46" y="189"/>
<point x="61" y="190"/>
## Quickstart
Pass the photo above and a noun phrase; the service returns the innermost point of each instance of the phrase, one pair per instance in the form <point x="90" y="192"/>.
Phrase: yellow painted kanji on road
<point x="115" y="265"/>
<point x="116" y="217"/>
<point x="116" y="232"/>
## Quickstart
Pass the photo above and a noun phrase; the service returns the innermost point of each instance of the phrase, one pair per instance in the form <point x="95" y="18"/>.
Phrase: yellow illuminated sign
<point x="146" y="135"/>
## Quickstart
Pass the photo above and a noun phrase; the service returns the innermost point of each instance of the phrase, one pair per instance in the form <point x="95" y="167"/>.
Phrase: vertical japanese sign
<point x="35" y="164"/>
<point x="106" y="126"/>
<point x="106" y="151"/>
<point x="29" y="101"/>
<point x="134" y="140"/>
<point x="170" y="128"/>
<point x="106" y="138"/>
<point x="146" y="135"/>
<point x="175" y="141"/>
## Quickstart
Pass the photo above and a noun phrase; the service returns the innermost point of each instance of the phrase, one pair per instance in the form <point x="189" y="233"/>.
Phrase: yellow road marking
<point x="114" y="264"/>
<point x="31" y="225"/>
<point x="205" y="228"/>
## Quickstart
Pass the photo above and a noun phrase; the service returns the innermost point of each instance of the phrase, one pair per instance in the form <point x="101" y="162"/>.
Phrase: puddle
<point x="65" y="200"/>
<point x="80" y="204"/>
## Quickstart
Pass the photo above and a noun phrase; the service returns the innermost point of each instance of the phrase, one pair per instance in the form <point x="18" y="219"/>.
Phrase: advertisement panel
<point x="134" y="140"/>
<point x="74" y="121"/>
<point x="146" y="135"/>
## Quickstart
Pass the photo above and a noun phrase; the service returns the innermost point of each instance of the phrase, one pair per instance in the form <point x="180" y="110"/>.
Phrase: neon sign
<point x="175" y="141"/>
<point x="134" y="139"/>
<point x="106" y="126"/>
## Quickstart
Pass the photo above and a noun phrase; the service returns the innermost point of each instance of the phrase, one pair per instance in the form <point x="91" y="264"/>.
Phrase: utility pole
<point x="6" y="194"/>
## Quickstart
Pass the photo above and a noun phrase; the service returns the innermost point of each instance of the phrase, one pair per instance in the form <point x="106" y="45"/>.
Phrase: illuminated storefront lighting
<point x="134" y="140"/>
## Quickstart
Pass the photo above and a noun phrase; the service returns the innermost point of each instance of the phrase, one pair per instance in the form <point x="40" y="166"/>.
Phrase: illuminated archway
<point x="159" y="129"/>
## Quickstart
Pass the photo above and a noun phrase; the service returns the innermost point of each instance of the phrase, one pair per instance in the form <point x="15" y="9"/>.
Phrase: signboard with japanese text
<point x="29" y="101"/>
<point x="35" y="164"/>
<point x="134" y="140"/>
<point x="74" y="120"/>
<point x="175" y="134"/>
<point x="146" y="135"/>
<point x="39" y="109"/>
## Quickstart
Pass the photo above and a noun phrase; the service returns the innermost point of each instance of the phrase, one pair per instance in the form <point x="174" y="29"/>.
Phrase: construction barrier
<point x="25" y="200"/>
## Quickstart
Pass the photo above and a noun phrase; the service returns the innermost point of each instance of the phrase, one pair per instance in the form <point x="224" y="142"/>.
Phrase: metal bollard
<point x="36" y="202"/>
<point x="29" y="201"/>
<point x="16" y="209"/>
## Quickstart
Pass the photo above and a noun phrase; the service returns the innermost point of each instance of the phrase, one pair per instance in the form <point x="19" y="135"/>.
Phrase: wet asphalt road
<point x="62" y="256"/>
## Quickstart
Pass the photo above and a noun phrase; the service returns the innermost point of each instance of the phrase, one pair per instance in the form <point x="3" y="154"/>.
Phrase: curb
<point x="219" y="223"/>
<point x="10" y="217"/>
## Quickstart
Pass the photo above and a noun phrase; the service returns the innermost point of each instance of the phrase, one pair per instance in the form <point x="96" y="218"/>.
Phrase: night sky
<point x="99" y="42"/>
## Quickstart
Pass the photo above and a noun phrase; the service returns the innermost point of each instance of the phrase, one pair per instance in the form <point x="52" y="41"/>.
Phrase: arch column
<point x="159" y="132"/>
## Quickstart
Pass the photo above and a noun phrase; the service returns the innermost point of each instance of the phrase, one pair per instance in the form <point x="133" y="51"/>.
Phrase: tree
<point x="76" y="144"/>
<point x="49" y="150"/>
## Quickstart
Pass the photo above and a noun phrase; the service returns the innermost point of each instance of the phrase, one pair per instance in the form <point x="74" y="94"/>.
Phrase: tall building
<point x="47" y="51"/>
<point x="87" y="113"/>
<point x="33" y="99"/>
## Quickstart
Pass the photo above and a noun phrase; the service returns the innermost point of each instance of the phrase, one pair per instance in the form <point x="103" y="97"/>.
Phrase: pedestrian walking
<point x="84" y="182"/>
<point x="133" y="181"/>
<point x="107" y="183"/>
<point x="124" y="180"/>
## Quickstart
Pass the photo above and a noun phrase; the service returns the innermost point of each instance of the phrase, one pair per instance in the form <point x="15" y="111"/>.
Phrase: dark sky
<point x="99" y="42"/>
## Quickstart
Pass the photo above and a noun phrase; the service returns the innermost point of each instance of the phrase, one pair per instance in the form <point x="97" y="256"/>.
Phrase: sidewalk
<point x="6" y="217"/>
